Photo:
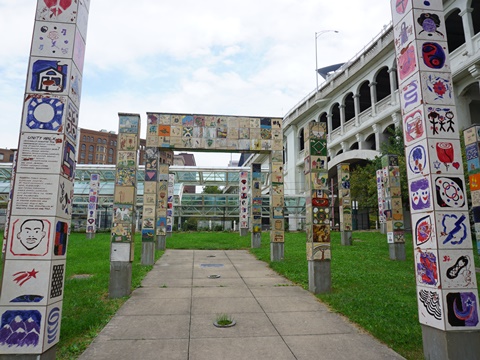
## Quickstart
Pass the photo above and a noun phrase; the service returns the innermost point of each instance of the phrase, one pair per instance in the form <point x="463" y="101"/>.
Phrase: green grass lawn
<point x="371" y="290"/>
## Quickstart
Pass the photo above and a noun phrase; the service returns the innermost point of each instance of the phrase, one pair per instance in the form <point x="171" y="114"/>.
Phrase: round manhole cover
<point x="213" y="276"/>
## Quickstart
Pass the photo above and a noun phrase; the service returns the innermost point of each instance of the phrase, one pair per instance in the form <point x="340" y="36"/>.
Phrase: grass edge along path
<point x="86" y="305"/>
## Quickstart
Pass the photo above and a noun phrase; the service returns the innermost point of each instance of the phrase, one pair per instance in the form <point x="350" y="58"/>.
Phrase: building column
<point x="475" y="72"/>
<point x="376" y="130"/>
<point x="344" y="146"/>
<point x="392" y="73"/>
<point x="356" y="103"/>
<point x="342" y="119"/>
<point x="361" y="140"/>
<point x="468" y="28"/>
<point x="373" y="97"/>
<point x="329" y="125"/>
<point x="397" y="120"/>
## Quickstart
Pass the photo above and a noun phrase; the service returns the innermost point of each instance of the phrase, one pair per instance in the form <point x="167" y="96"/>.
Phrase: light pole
<point x="317" y="35"/>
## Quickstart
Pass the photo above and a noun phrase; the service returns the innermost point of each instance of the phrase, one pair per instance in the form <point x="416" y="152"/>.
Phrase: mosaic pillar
<point x="124" y="206"/>
<point x="381" y="202"/>
<point x="149" y="205"/>
<point x="393" y="207"/>
<point x="162" y="206"/>
<point x="446" y="283"/>
<point x="92" y="205"/>
<point x="472" y="145"/>
<point x="170" y="209"/>
<point x="317" y="209"/>
<point x="277" y="203"/>
<point x="34" y="269"/>
<point x="256" y="205"/>
<point x="345" y="204"/>
<point x="243" y="201"/>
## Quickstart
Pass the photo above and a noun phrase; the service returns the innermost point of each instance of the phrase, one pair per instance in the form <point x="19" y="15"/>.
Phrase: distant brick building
<point x="6" y="155"/>
<point x="100" y="147"/>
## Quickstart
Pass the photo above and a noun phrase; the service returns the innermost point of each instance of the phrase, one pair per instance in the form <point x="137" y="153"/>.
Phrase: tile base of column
<point x="319" y="276"/>
<point x="120" y="279"/>
<point x="397" y="251"/>
<point x="256" y="240"/>
<point x="148" y="253"/>
<point x="90" y="236"/>
<point x="161" y="242"/>
<point x="450" y="345"/>
<point x="50" y="354"/>
<point x="277" y="251"/>
<point x="346" y="238"/>
<point x="243" y="231"/>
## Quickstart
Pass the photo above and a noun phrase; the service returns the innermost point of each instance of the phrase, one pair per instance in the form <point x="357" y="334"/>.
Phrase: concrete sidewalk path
<point x="171" y="316"/>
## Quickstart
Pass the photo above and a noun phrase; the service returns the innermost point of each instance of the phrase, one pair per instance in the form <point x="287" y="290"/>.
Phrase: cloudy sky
<point x="248" y="57"/>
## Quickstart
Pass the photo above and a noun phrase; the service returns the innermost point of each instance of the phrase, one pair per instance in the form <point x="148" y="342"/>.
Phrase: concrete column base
<point x="256" y="240"/>
<point x="243" y="231"/>
<point x="346" y="238"/>
<point x="90" y="235"/>
<point x="383" y="228"/>
<point x="120" y="279"/>
<point x="161" y="242"/>
<point x="319" y="276"/>
<point x="50" y="354"/>
<point x="169" y="234"/>
<point x="397" y="251"/>
<point x="148" y="253"/>
<point x="277" y="251"/>
<point x="450" y="345"/>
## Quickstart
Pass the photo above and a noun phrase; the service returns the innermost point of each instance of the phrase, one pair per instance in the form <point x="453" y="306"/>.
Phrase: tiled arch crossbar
<point x="223" y="133"/>
<point x="446" y="285"/>
<point x="31" y="297"/>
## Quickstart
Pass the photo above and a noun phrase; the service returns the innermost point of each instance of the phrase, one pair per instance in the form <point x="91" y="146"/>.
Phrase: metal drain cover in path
<point x="213" y="276"/>
<point x="211" y="265"/>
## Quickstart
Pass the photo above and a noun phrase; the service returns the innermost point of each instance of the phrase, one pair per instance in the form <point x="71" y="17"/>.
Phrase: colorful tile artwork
<point x="243" y="199"/>
<point x="125" y="193"/>
<point x="162" y="201"/>
<point x="170" y="208"/>
<point x="381" y="197"/>
<point x="472" y="144"/>
<point x="256" y="200"/>
<point x="40" y="211"/>
<point x="92" y="203"/>
<point x="393" y="209"/>
<point x="318" y="200"/>
<point x="446" y="284"/>
<point x="343" y="171"/>
<point x="149" y="198"/>
<point x="276" y="193"/>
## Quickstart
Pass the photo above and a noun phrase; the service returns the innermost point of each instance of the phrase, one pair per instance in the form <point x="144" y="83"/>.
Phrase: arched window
<point x="91" y="148"/>
<point x="301" y="139"/>
<point x="455" y="33"/>
<point x="84" y="147"/>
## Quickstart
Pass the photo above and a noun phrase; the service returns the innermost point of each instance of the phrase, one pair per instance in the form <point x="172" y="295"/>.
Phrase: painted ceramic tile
<point x="445" y="156"/>
<point x="421" y="197"/>
<point x="429" y="25"/>
<point x="437" y="88"/>
<point x="475" y="198"/>
<point x="441" y="122"/>
<point x="59" y="11"/>
<point x="277" y="236"/>
<point x="44" y="113"/>
<point x="79" y="51"/>
<point x="124" y="194"/>
<point x="122" y="213"/>
<point x="41" y="153"/>
<point x="417" y="163"/>
<point x="277" y="123"/>
<point x="318" y="251"/>
<point x="462" y="309"/>
<point x="407" y="62"/>
<point x="414" y="126"/>
<point x="405" y="34"/>
<point x="434" y="56"/>
<point x="457" y="269"/>
<point x="426" y="268"/>
<point x="453" y="230"/>
<point x="127" y="142"/>
<point x="126" y="177"/>
<point x="129" y="124"/>
<point x="449" y="192"/>
<point x="32" y="320"/>
<point x="423" y="230"/>
<point x="410" y="94"/>
<point x="470" y="135"/>
<point x="52" y="326"/>
<point x="49" y="76"/>
<point x="430" y="307"/>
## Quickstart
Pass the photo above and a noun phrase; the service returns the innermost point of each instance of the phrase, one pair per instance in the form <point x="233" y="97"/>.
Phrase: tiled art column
<point x="124" y="206"/>
<point x="162" y="206"/>
<point x="344" y="201"/>
<point x="149" y="205"/>
<point x="277" y="221"/>
<point x="92" y="205"/>
<point x="35" y="256"/>
<point x="317" y="209"/>
<point x="256" y="205"/>
<point x="170" y="209"/>
<point x="393" y="207"/>
<point x="472" y="147"/>
<point x="381" y="202"/>
<point x="243" y="200"/>
<point x="446" y="283"/>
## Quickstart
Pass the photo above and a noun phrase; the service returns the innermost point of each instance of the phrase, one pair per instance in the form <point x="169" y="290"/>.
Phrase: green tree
<point x="211" y="189"/>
